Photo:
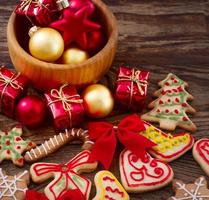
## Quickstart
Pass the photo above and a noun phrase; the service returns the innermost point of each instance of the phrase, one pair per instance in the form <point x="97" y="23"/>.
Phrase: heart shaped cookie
<point x="169" y="147"/>
<point x="143" y="175"/>
<point x="108" y="187"/>
<point x="201" y="154"/>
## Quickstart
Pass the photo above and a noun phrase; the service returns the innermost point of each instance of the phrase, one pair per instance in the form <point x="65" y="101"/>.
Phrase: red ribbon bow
<point x="70" y="195"/>
<point x="105" y="136"/>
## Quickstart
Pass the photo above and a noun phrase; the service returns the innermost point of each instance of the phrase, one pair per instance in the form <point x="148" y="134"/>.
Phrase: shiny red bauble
<point x="95" y="40"/>
<point x="76" y="5"/>
<point x="31" y="111"/>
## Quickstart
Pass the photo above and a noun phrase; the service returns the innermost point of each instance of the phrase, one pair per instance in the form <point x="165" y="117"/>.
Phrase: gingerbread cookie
<point x="65" y="176"/>
<point x="201" y="154"/>
<point x="12" y="146"/>
<point x="54" y="143"/>
<point x="108" y="187"/>
<point x="143" y="175"/>
<point x="13" y="187"/>
<point x="170" y="109"/>
<point x="193" y="191"/>
<point x="168" y="147"/>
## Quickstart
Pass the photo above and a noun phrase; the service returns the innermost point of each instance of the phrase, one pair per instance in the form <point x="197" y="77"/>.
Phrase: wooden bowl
<point x="45" y="76"/>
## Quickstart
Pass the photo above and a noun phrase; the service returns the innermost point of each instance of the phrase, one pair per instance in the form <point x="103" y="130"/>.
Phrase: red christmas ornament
<point x="95" y="41"/>
<point x="31" y="111"/>
<point x="75" y="26"/>
<point x="76" y="5"/>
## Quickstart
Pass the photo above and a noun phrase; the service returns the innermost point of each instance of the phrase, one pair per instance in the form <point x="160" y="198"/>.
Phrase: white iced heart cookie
<point x="143" y="175"/>
<point x="201" y="154"/>
<point x="108" y="187"/>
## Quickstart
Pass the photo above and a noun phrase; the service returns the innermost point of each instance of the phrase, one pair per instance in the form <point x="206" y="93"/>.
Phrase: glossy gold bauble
<point x="74" y="56"/>
<point x="98" y="101"/>
<point x="46" y="44"/>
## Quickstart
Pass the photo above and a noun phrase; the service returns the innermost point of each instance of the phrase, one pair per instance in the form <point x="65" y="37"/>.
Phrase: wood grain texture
<point x="156" y="35"/>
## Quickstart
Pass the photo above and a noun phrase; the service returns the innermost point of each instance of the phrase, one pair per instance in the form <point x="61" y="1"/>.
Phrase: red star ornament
<point x="75" y="26"/>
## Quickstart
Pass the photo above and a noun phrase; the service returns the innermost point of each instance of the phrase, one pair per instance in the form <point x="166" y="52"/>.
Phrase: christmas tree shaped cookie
<point x="12" y="146"/>
<point x="170" y="109"/>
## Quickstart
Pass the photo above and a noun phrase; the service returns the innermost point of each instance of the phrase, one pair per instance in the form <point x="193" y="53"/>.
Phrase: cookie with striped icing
<point x="56" y="142"/>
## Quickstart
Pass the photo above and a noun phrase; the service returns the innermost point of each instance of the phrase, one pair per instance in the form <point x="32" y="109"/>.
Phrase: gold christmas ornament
<point x="98" y="101"/>
<point x="46" y="44"/>
<point x="74" y="56"/>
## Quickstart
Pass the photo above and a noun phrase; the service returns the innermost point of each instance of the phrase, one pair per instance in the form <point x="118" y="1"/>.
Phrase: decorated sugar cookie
<point x="65" y="176"/>
<point x="201" y="154"/>
<point x="12" y="146"/>
<point x="169" y="147"/>
<point x="13" y="187"/>
<point x="57" y="141"/>
<point x="170" y="109"/>
<point x="143" y="175"/>
<point x="192" y="191"/>
<point x="108" y="187"/>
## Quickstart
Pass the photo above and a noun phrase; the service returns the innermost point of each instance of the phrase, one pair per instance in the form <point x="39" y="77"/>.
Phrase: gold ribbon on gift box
<point x="8" y="81"/>
<point x="65" y="100"/>
<point x="25" y="4"/>
<point x="135" y="79"/>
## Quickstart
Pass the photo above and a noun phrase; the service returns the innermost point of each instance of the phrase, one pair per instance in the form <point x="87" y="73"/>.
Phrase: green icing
<point x="11" y="137"/>
<point x="182" y="99"/>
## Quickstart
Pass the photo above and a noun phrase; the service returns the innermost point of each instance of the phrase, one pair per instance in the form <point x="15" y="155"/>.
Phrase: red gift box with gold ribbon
<point x="12" y="87"/>
<point x="131" y="88"/>
<point x="39" y="12"/>
<point x="66" y="107"/>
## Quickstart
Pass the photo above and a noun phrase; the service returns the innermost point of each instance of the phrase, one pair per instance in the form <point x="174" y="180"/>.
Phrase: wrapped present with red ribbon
<point x="39" y="12"/>
<point x="131" y="88"/>
<point x="12" y="87"/>
<point x="66" y="107"/>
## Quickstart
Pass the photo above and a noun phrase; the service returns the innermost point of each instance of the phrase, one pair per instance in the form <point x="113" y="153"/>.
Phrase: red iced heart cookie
<point x="201" y="154"/>
<point x="169" y="147"/>
<point x="143" y="175"/>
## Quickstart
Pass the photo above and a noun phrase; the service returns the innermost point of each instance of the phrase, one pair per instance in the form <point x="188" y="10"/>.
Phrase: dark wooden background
<point x="159" y="36"/>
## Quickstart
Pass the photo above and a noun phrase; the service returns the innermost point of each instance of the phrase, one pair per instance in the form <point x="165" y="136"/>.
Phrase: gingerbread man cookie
<point x="193" y="191"/>
<point x="201" y="154"/>
<point x="170" y="109"/>
<point x="65" y="176"/>
<point x="108" y="187"/>
<point x="13" y="187"/>
<point x="57" y="141"/>
<point x="12" y="146"/>
<point x="168" y="147"/>
<point x="143" y="175"/>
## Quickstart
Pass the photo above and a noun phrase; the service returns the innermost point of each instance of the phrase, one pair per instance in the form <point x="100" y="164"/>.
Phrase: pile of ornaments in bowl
<point x="63" y="31"/>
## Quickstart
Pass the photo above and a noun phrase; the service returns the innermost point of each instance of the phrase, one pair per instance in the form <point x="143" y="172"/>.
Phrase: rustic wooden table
<point x="159" y="36"/>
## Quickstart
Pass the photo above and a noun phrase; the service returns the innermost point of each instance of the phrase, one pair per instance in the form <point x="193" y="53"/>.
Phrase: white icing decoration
<point x="73" y="132"/>
<point x="9" y="187"/>
<point x="194" y="194"/>
<point x="44" y="149"/>
<point x="28" y="153"/>
<point x="51" y="140"/>
<point x="90" y="142"/>
<point x="39" y="150"/>
<point x="66" y="133"/>
<point x="47" y="144"/>
<point x="61" y="136"/>
<point x="34" y="153"/>
<point x="55" y="137"/>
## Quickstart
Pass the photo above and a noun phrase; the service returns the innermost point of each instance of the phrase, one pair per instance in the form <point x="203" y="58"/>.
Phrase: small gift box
<point x="39" y="12"/>
<point x="131" y="88"/>
<point x="12" y="87"/>
<point x="66" y="107"/>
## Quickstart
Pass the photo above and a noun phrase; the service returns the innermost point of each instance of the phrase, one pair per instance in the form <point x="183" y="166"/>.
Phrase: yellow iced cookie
<point x="108" y="187"/>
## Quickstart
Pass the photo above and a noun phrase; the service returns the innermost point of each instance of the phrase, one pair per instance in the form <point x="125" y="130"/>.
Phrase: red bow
<point x="105" y="136"/>
<point x="70" y="195"/>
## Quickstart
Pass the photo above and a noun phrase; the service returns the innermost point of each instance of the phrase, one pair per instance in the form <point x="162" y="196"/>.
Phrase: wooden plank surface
<point x="159" y="36"/>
